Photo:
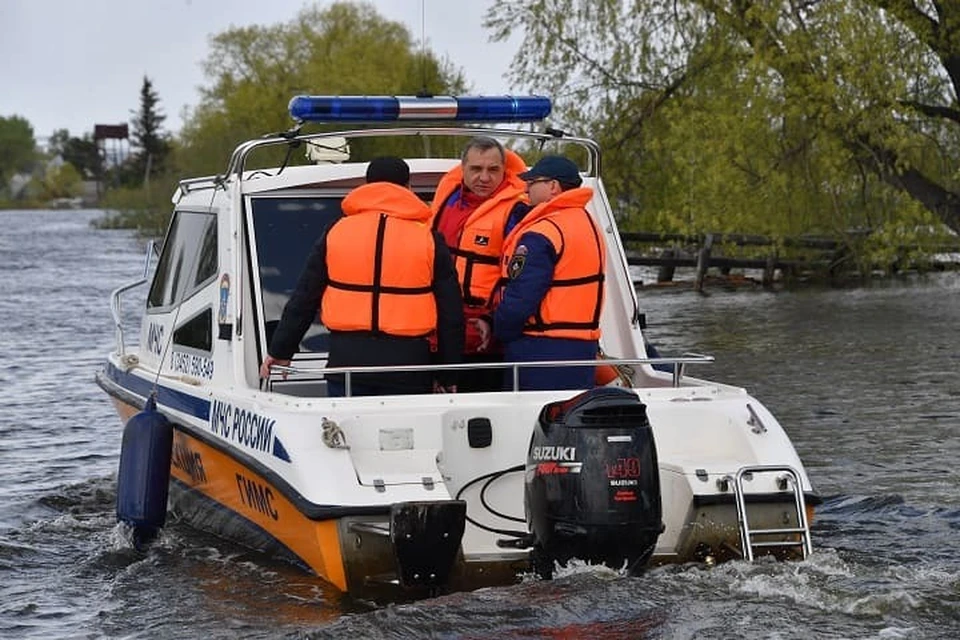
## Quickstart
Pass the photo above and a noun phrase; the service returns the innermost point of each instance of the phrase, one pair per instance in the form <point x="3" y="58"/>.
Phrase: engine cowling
<point x="592" y="485"/>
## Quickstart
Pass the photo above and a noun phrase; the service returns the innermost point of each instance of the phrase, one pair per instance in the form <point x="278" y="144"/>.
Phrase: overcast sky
<point x="70" y="64"/>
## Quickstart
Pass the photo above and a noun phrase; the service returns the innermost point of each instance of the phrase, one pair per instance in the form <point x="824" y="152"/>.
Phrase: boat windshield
<point x="285" y="230"/>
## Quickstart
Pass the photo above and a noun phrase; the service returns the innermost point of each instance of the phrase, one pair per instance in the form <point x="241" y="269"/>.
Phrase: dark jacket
<point x="362" y="348"/>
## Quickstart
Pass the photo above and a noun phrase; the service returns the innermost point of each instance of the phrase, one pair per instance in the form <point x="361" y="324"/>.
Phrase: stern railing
<point x="677" y="369"/>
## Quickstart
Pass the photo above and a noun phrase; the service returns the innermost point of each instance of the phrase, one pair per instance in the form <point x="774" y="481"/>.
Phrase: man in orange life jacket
<point x="548" y="302"/>
<point x="384" y="282"/>
<point x="471" y="208"/>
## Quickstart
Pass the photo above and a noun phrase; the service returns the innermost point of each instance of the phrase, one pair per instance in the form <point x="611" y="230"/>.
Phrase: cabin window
<point x="286" y="230"/>
<point x="188" y="260"/>
<point x="207" y="261"/>
<point x="197" y="332"/>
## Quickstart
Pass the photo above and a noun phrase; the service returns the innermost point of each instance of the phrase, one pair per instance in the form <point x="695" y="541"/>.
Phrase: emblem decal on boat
<point x="224" y="297"/>
<point x="625" y="472"/>
<point x="624" y="468"/>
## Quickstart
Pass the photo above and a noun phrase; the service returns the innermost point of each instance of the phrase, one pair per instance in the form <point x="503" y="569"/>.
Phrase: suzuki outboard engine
<point x="592" y="487"/>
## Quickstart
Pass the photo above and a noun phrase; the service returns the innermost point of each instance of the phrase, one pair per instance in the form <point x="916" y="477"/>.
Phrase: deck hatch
<point x="409" y="466"/>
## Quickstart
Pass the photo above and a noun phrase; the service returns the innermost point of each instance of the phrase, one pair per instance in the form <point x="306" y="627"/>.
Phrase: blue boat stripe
<point x="279" y="450"/>
<point x="170" y="398"/>
<point x="176" y="400"/>
<point x="309" y="509"/>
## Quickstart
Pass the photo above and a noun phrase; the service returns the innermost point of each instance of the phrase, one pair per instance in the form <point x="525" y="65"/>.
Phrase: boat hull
<point x="213" y="490"/>
<point x="424" y="491"/>
<point x="216" y="490"/>
<point x="217" y="487"/>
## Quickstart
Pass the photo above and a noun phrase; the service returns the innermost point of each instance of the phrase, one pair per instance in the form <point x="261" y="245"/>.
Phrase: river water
<point x="866" y="381"/>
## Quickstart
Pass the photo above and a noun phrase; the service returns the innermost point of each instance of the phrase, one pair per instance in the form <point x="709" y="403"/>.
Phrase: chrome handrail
<point x="514" y="366"/>
<point x="115" y="299"/>
<point x="238" y="158"/>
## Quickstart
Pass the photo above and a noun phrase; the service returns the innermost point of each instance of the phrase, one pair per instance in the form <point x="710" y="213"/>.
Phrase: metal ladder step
<point x="789" y="479"/>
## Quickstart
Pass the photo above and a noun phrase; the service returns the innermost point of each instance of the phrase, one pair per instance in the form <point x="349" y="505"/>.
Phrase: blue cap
<point x="558" y="168"/>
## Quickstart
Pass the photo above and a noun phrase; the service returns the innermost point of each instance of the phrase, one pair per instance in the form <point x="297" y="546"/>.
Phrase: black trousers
<point x="362" y="349"/>
<point x="480" y="380"/>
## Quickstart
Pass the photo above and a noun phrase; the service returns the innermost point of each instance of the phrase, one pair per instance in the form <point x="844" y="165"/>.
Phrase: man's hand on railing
<point x="268" y="362"/>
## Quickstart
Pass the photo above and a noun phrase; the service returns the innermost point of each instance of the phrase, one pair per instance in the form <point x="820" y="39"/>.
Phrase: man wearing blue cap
<point x="548" y="302"/>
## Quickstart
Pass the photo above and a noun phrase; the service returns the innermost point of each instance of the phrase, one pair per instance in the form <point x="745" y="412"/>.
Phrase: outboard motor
<point x="592" y="487"/>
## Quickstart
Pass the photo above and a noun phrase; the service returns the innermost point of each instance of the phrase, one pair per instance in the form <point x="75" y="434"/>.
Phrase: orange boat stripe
<point x="221" y="478"/>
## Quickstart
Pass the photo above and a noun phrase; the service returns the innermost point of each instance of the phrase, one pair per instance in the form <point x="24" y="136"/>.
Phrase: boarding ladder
<point x="788" y="478"/>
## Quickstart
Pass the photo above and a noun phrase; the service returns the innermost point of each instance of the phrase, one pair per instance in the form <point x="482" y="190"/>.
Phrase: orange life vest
<point x="477" y="254"/>
<point x="572" y="304"/>
<point x="380" y="264"/>
<point x="605" y="374"/>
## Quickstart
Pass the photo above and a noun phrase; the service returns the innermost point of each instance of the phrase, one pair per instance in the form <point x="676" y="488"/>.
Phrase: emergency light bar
<point x="389" y="108"/>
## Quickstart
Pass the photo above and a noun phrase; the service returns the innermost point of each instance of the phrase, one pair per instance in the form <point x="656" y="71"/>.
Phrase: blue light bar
<point x="390" y="108"/>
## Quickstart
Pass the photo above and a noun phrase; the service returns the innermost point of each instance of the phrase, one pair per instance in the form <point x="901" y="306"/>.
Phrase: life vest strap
<point x="368" y="288"/>
<point x="573" y="282"/>
<point x="546" y="326"/>
<point x="474" y="256"/>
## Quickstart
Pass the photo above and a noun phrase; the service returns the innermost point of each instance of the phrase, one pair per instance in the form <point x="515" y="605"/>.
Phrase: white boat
<point x="424" y="492"/>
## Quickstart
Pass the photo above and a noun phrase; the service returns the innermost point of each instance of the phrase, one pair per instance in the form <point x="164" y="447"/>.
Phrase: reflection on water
<point x="866" y="381"/>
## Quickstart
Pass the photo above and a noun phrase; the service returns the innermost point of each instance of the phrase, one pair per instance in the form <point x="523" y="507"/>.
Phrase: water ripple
<point x="865" y="381"/>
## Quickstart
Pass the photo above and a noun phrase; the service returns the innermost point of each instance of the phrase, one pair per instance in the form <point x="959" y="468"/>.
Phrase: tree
<point x="18" y="148"/>
<point x="57" y="142"/>
<point x="82" y="153"/>
<point x="894" y="67"/>
<point x="341" y="49"/>
<point x="798" y="115"/>
<point x="59" y="180"/>
<point x="147" y="136"/>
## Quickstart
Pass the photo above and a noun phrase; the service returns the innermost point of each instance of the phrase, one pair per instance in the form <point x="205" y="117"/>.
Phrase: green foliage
<point x="340" y="49"/>
<point x="343" y="48"/>
<point x="82" y="153"/>
<point x="911" y="236"/>
<point x="58" y="181"/>
<point x="146" y="209"/>
<point x="57" y="142"/>
<point x="742" y="116"/>
<point x="18" y="151"/>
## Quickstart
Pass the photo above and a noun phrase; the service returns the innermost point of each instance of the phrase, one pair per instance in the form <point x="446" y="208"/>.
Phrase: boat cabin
<point x="237" y="243"/>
